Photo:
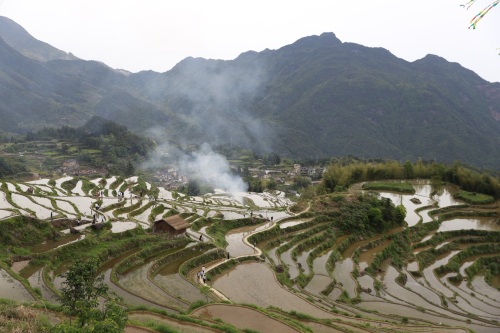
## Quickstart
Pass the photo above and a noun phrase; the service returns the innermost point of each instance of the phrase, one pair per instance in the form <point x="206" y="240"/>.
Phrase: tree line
<point x="340" y="174"/>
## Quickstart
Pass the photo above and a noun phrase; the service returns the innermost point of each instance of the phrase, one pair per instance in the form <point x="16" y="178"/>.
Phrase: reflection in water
<point x="431" y="278"/>
<point x="254" y="283"/>
<point x="481" y="223"/>
<point x="342" y="273"/>
<point x="12" y="289"/>
<point x="50" y="245"/>
<point x="293" y="223"/>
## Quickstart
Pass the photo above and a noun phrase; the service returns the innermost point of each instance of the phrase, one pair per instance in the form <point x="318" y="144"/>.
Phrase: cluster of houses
<point x="283" y="176"/>
<point x="71" y="167"/>
<point x="171" y="179"/>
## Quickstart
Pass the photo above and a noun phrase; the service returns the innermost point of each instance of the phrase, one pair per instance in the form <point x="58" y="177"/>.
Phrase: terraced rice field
<point x="297" y="271"/>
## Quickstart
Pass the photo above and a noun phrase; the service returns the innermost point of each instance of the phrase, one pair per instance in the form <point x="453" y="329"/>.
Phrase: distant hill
<point x="17" y="37"/>
<point x="318" y="97"/>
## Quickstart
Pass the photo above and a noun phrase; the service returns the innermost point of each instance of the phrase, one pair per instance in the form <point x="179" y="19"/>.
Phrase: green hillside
<point x="318" y="97"/>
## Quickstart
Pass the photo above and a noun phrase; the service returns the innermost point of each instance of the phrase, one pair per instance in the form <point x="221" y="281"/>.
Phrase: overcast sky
<point x="156" y="34"/>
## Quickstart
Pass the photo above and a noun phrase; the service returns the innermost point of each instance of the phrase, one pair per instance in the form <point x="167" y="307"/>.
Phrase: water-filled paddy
<point x="178" y="326"/>
<point x="53" y="244"/>
<point x="293" y="223"/>
<point x="11" y="288"/>
<point x="254" y="283"/>
<point x="479" y="223"/>
<point x="243" y="318"/>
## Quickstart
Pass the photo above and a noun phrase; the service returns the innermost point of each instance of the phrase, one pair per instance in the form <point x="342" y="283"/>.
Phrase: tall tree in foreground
<point x="80" y="297"/>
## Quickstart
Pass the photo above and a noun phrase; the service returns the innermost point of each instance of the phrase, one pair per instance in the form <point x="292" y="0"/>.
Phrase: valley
<point x="268" y="266"/>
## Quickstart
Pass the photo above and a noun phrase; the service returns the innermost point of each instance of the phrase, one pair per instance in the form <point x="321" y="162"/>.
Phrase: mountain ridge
<point x="317" y="97"/>
<point x="16" y="36"/>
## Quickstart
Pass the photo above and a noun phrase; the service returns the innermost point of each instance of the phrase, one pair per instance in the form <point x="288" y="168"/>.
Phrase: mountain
<point x="318" y="97"/>
<point x="17" y="37"/>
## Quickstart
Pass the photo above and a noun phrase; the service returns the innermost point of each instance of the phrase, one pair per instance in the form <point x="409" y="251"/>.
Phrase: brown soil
<point x="243" y="318"/>
<point x="19" y="265"/>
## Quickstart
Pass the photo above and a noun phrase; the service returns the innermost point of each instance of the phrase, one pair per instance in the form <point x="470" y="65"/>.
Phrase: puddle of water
<point x="36" y="281"/>
<point x="115" y="261"/>
<point x="43" y="181"/>
<point x="366" y="257"/>
<point x="179" y="326"/>
<point x="366" y="282"/>
<point x="122" y="226"/>
<point x="22" y="201"/>
<point x="476" y="300"/>
<point x="293" y="223"/>
<point x="5" y="213"/>
<point x="53" y="244"/>
<point x="11" y="187"/>
<point x="318" y="283"/>
<point x="11" y="288"/>
<point x="431" y="278"/>
<point x="302" y="260"/>
<point x="136" y="281"/>
<point x="254" y="283"/>
<point x="66" y="207"/>
<point x="110" y="181"/>
<point x="342" y="274"/>
<point x="404" y="311"/>
<point x="243" y="318"/>
<point x="177" y="286"/>
<point x="82" y="203"/>
<point x="319" y="264"/>
<point x="78" y="189"/>
<point x="410" y="297"/>
<point x="335" y="294"/>
<point x="424" y="292"/>
<point x="236" y="246"/>
<point x="169" y="279"/>
<point x="412" y="266"/>
<point x="481" y="223"/>
<point x="272" y="254"/>
<point x="286" y="258"/>
<point x="480" y="286"/>
<point x="128" y="297"/>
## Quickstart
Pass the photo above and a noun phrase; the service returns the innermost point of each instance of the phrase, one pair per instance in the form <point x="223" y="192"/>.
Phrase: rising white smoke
<point x="204" y="164"/>
<point x="212" y="168"/>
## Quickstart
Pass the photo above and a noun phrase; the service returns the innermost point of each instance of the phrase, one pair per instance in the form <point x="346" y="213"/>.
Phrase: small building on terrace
<point x="174" y="225"/>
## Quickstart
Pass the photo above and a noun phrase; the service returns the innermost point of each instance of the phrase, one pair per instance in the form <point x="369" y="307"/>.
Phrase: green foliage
<point x="16" y="318"/>
<point x="347" y="172"/>
<point x="389" y="186"/>
<point x="142" y="209"/>
<point x="161" y="246"/>
<point x="127" y="209"/>
<point x="24" y="231"/>
<point x="201" y="260"/>
<point x="474" y="198"/>
<point x="368" y="214"/>
<point x="219" y="229"/>
<point x="10" y="167"/>
<point x="454" y="263"/>
<point x="228" y="265"/>
<point x="399" y="251"/>
<point x="81" y="289"/>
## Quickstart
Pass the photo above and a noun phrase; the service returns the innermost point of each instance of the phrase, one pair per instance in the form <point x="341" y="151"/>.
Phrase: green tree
<point x="301" y="182"/>
<point x="408" y="170"/>
<point x="193" y="188"/>
<point x="130" y="170"/>
<point x="81" y="291"/>
<point x="272" y="184"/>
